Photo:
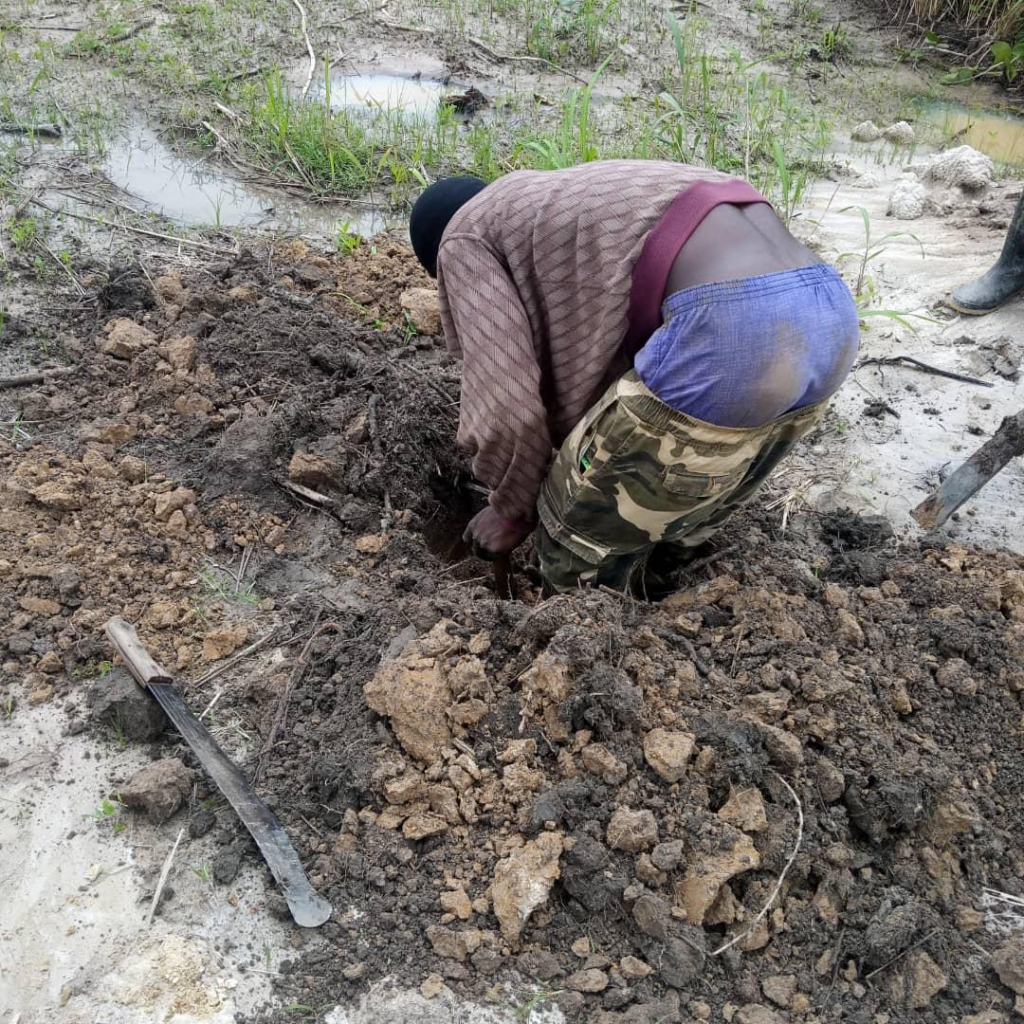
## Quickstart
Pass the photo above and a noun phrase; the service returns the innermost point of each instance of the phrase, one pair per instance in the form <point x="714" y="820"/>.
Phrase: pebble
<point x="632" y="831"/>
<point x="587" y="981"/>
<point x="634" y="969"/>
<point x="668" y="752"/>
<point x="668" y="856"/>
<point x="1008" y="963"/>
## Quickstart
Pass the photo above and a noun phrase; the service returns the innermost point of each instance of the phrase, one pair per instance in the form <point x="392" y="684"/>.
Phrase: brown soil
<point x="587" y="794"/>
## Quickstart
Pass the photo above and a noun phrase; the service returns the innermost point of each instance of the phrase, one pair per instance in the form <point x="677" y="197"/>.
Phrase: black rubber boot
<point x="1003" y="281"/>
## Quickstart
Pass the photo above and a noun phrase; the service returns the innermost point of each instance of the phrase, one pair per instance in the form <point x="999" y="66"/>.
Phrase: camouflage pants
<point x="635" y="475"/>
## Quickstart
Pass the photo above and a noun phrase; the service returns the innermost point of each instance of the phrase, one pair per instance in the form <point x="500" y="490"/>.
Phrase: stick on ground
<point x="1006" y="443"/>
<point x="924" y="368"/>
<point x="309" y="48"/>
<point x="164" y="872"/>
<point x="35" y="377"/>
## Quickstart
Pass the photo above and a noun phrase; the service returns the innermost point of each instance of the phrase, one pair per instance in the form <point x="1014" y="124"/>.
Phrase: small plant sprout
<point x="108" y="813"/>
<point x="347" y="240"/>
<point x="873" y="248"/>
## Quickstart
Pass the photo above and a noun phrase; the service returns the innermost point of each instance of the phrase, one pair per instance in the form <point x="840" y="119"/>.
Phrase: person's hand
<point x="492" y="536"/>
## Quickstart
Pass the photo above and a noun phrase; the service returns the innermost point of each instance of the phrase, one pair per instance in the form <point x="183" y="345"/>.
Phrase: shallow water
<point x="384" y="92"/>
<point x="1001" y="136"/>
<point x="193" y="192"/>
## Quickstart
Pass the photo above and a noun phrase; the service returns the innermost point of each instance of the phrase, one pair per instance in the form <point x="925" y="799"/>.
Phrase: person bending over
<point x="655" y="323"/>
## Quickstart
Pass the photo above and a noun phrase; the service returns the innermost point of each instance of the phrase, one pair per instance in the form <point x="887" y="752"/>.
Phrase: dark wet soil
<point x="847" y="704"/>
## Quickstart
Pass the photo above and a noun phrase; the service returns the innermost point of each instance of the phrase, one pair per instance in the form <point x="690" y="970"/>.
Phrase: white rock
<point x="964" y="167"/>
<point x="901" y="133"/>
<point x="908" y="200"/>
<point x="866" y="131"/>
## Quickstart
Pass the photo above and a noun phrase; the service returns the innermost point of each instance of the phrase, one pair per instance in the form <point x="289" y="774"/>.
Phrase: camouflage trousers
<point x="636" y="476"/>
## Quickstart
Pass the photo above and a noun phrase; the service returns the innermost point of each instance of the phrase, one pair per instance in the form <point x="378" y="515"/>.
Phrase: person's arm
<point x="502" y="419"/>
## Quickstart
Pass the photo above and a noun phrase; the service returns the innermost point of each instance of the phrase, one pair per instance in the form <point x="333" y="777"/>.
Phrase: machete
<point x="307" y="907"/>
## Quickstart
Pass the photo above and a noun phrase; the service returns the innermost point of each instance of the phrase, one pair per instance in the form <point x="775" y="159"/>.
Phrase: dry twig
<point x="205" y="246"/>
<point x="164" y="872"/>
<point x="924" y="368"/>
<point x="309" y="48"/>
<point x="785" y="871"/>
<point x="46" y="131"/>
<point x="281" y="714"/>
<point x="900" y="956"/>
<point x="35" y="377"/>
<point x="130" y="33"/>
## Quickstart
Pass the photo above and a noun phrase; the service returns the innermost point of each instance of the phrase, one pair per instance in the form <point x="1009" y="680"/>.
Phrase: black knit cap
<point x="433" y="210"/>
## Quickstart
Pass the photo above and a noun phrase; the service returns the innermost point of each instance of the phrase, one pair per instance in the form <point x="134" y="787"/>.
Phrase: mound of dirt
<point x="786" y="792"/>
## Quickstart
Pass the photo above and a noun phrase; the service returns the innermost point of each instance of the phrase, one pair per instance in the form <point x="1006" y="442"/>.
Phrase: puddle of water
<point x="192" y="192"/>
<point x="1000" y="136"/>
<point x="413" y="97"/>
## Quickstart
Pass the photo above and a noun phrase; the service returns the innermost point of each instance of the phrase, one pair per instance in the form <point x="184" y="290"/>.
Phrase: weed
<point x="835" y="43"/>
<point x="872" y="249"/>
<point x="203" y="874"/>
<point x="214" y="582"/>
<point x="732" y="115"/>
<point x="791" y="187"/>
<point x="23" y="232"/>
<point x="1008" y="59"/>
<point x="347" y="240"/>
<point x="122" y="738"/>
<point x="575" y="141"/>
<point x="901" y="317"/>
<point x="108" y="812"/>
<point x="409" y="330"/>
<point x="524" y="1011"/>
<point x="573" y="30"/>
<point x="806" y="11"/>
<point x="7" y="707"/>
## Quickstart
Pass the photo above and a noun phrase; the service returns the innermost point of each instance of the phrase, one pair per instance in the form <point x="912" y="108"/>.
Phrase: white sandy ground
<point x="889" y="465"/>
<point x="74" y="946"/>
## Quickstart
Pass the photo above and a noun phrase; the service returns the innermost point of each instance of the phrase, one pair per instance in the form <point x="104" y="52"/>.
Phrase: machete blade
<point x="308" y="908"/>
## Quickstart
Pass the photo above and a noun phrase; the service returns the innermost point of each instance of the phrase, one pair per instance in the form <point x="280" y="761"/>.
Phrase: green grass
<point x="218" y="584"/>
<point x="109" y="813"/>
<point x="871" y="250"/>
<point x="714" y="110"/>
<point x="524" y="1011"/>
<point x="702" y="105"/>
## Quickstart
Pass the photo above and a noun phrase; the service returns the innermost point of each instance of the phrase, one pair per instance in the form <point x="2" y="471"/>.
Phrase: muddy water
<point x="193" y="192"/>
<point x="1001" y="136"/>
<point x="413" y="97"/>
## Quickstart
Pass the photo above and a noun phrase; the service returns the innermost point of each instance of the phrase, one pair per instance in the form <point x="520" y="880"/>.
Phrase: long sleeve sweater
<point x="534" y="276"/>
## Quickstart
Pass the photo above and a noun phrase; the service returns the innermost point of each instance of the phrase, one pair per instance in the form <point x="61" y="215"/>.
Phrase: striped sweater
<point x="534" y="277"/>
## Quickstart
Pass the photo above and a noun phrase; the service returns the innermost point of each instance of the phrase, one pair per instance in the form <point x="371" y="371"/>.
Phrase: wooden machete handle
<point x="139" y="661"/>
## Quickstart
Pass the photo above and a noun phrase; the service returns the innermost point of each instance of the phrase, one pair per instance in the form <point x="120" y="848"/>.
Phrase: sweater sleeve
<point x="502" y="420"/>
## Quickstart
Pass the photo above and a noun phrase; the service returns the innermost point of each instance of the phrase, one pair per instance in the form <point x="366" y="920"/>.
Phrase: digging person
<point x="1002" y="281"/>
<point x="658" y="325"/>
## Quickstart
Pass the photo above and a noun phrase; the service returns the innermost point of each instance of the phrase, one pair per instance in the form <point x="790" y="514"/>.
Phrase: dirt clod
<point x="668" y="752"/>
<point x="159" y="790"/>
<point x="420" y="305"/>
<point x="119" y="703"/>
<point x="523" y="880"/>
<point x="632" y="831"/>
<point x="1008" y="963"/>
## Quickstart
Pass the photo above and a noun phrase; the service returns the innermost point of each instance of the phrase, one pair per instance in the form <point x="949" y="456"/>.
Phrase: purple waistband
<point x="669" y="235"/>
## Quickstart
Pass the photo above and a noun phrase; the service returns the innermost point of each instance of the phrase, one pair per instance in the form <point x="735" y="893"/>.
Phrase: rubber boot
<point x="1003" y="281"/>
